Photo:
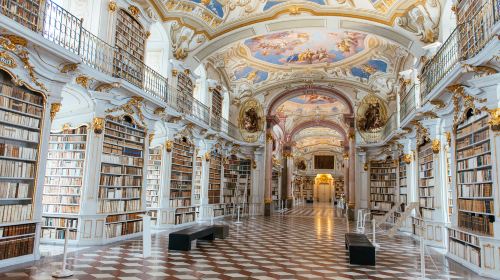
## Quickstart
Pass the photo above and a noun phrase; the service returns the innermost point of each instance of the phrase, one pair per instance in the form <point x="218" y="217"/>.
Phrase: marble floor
<point x="304" y="243"/>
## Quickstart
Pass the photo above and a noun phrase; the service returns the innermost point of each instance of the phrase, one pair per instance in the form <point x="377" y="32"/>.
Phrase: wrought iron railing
<point x="64" y="29"/>
<point x="466" y="41"/>
<point x="407" y="104"/>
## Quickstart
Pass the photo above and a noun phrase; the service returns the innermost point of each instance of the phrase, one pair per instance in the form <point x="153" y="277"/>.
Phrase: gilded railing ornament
<point x="407" y="158"/>
<point x="106" y="87"/>
<point x="159" y="111"/>
<point x="468" y="102"/>
<point x="438" y="103"/>
<point x="436" y="146"/>
<point x="207" y="156"/>
<point x="169" y="144"/>
<point x="54" y="108"/>
<point x="133" y="106"/>
<point x="175" y="72"/>
<point x="98" y="125"/>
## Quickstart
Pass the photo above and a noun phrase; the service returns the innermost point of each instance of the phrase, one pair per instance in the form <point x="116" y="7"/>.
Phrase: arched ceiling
<point x="313" y="139"/>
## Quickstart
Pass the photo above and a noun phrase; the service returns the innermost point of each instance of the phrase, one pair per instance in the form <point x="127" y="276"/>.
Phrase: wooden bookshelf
<point x="185" y="84"/>
<point x="214" y="178"/>
<point x="130" y="39"/>
<point x="231" y="165"/>
<point x="475" y="200"/>
<point x="275" y="192"/>
<point x="403" y="185"/>
<point x="244" y="182"/>
<point x="120" y="187"/>
<point x="426" y="182"/>
<point x="216" y="108"/>
<point x="25" y="12"/>
<point x="339" y="188"/>
<point x="382" y="186"/>
<point x="21" y="117"/>
<point x="181" y="183"/>
<point x="64" y="182"/>
<point x="197" y="181"/>
<point x="153" y="181"/>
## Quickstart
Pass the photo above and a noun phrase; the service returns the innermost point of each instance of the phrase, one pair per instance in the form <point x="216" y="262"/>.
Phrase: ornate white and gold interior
<point x="194" y="110"/>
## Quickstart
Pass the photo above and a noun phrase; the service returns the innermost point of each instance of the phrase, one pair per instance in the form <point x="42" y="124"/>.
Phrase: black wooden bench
<point x="181" y="240"/>
<point x="361" y="250"/>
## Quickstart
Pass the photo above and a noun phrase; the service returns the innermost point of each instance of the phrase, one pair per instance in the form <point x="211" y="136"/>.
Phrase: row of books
<point x="60" y="222"/>
<point x="426" y="191"/>
<point x="21" y="94"/>
<point x="16" y="151"/>
<point x="64" y="163"/>
<point x="67" y="138"/>
<point x="14" y="190"/>
<point x="17" y="169"/>
<point x="474" y="176"/>
<point x="64" y="172"/>
<point x="123" y="217"/>
<point x="51" y="190"/>
<point x="113" y="206"/>
<point x="51" y="199"/>
<point x="120" y="193"/>
<point x="382" y="190"/>
<point x="382" y="177"/>
<point x="57" y="233"/>
<point x="426" y="173"/>
<point x="14" y="118"/>
<point x="11" y="231"/>
<point x="20" y="106"/>
<point x="476" y="223"/>
<point x="483" y="206"/>
<point x="382" y="165"/>
<point x="474" y="151"/>
<point x="474" y="162"/>
<point x="67" y="146"/>
<point x="382" y="197"/>
<point x="427" y="202"/>
<point x="15" y="213"/>
<point x="63" y="181"/>
<point x="175" y="176"/>
<point x="475" y="126"/>
<point x="182" y="169"/>
<point x="479" y="190"/>
<point x="75" y="155"/>
<point x="374" y="170"/>
<point x="11" y="248"/>
<point x="123" y="128"/>
<point x="119" y="144"/>
<point x="463" y="251"/>
<point x="125" y="170"/>
<point x="123" y="160"/>
<point x="466" y="237"/>
<point x="55" y="208"/>
<point x="117" y="181"/>
<point x="119" y="229"/>
<point x="131" y="139"/>
<point x="18" y="133"/>
<point x="428" y="182"/>
<point x="179" y="202"/>
<point x="382" y="184"/>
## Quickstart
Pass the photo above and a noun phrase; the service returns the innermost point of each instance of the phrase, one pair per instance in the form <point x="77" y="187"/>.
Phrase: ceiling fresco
<point x="312" y="105"/>
<point x="250" y="74"/>
<point x="317" y="138"/>
<point x="306" y="47"/>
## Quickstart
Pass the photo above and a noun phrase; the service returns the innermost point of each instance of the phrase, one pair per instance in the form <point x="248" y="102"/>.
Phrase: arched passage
<point x="317" y="123"/>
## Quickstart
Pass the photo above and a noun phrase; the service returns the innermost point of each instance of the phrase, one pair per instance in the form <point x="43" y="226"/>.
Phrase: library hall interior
<point x="249" y="139"/>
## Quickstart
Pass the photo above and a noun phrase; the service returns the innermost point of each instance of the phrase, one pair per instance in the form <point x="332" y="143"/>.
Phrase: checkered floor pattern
<point x="304" y="243"/>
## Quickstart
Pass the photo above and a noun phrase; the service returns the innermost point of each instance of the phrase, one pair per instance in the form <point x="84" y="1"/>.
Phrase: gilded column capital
<point x="98" y="125"/>
<point x="54" y="108"/>
<point x="436" y="146"/>
<point x="168" y="145"/>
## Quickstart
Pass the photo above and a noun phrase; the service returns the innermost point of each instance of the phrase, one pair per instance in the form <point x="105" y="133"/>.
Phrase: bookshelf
<point x="214" y="178"/>
<point x="475" y="201"/>
<point x="131" y="41"/>
<point x="244" y="182"/>
<point x="186" y="87"/>
<point x="21" y="117"/>
<point x="275" y="193"/>
<point x="25" y="12"/>
<point x="197" y="181"/>
<point x="231" y="165"/>
<point x="63" y="185"/>
<point x="403" y="185"/>
<point x="153" y="180"/>
<point x="181" y="183"/>
<point x="382" y="186"/>
<point x="426" y="185"/>
<point x="121" y="178"/>
<point x="339" y="188"/>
